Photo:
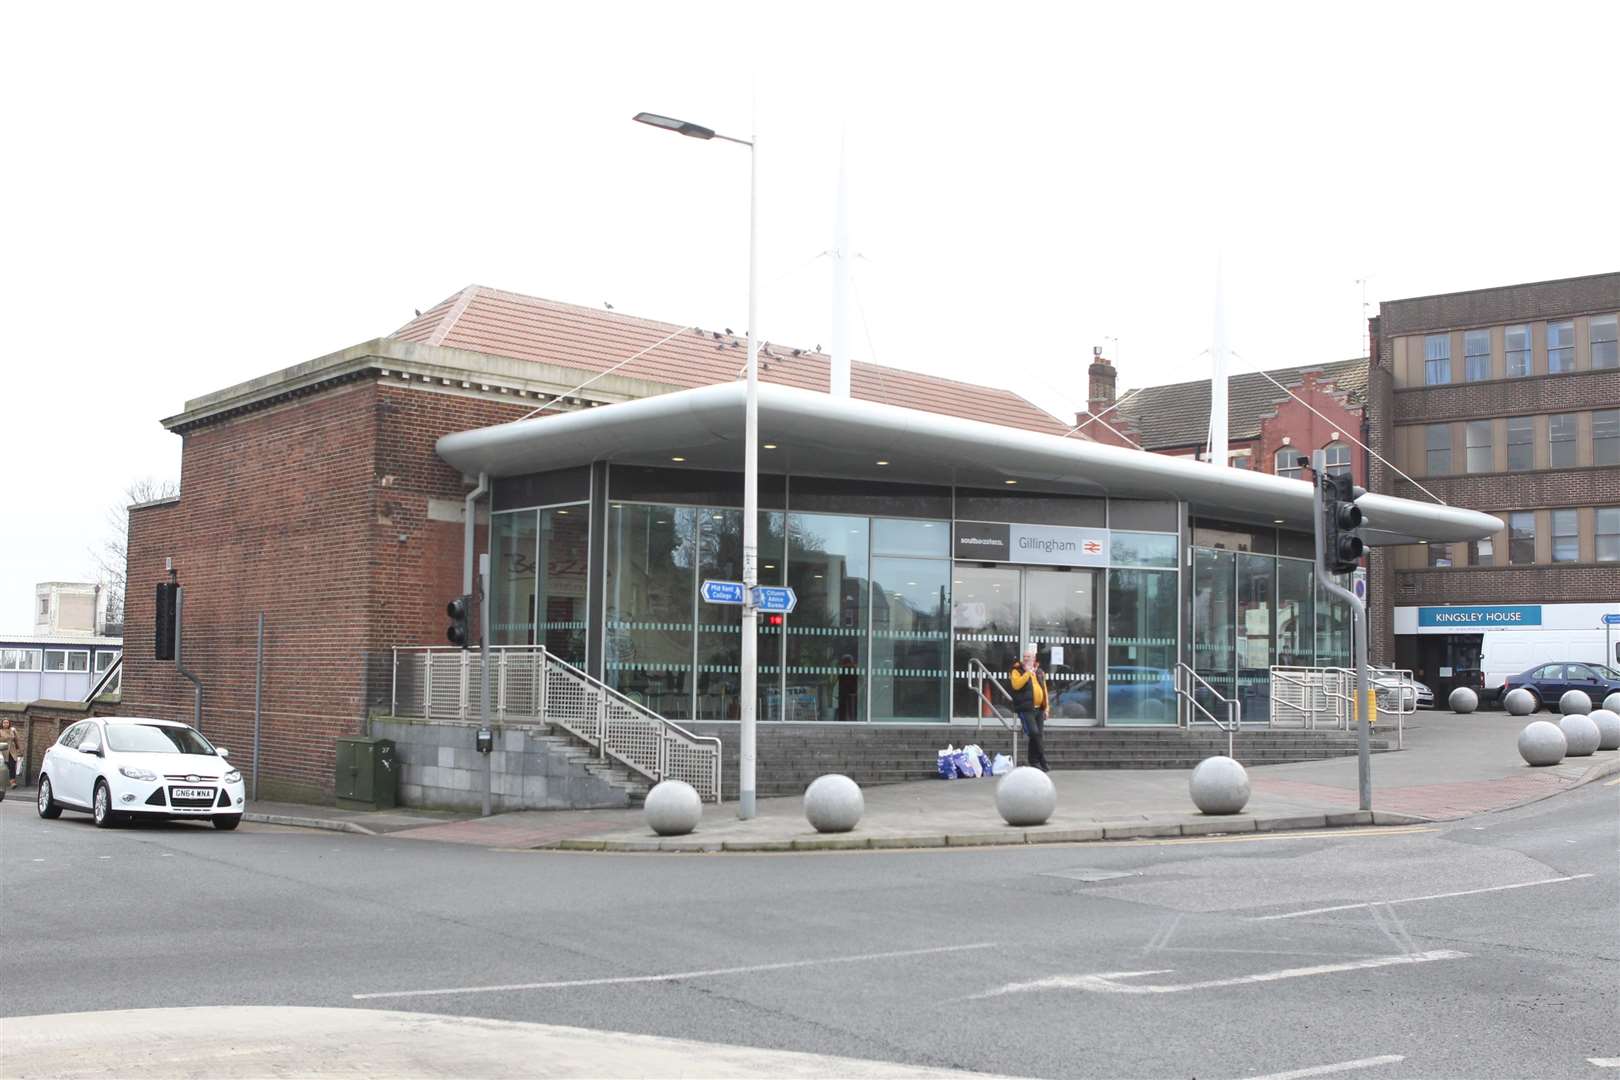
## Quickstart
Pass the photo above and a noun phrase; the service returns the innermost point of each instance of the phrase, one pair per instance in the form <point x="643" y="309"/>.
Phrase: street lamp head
<point x="669" y="123"/>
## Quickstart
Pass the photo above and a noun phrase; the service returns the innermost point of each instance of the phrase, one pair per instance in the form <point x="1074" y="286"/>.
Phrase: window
<point x="78" y="661"/>
<point x="1482" y="552"/>
<point x="1439" y="554"/>
<point x="1521" y="538"/>
<point x="19" y="659"/>
<point x="157" y="739"/>
<point x="1287" y="463"/>
<point x="1605" y="340"/>
<point x="1551" y="671"/>
<point x="1437" y="359"/>
<point x="55" y="660"/>
<point x="1143" y="549"/>
<point x="1561" y="441"/>
<point x="1438" y="439"/>
<point x="70" y="738"/>
<point x="1566" y="545"/>
<point x="1517" y="340"/>
<point x="1608" y="534"/>
<point x="1560" y="347"/>
<point x="1477" y="355"/>
<point x="1337" y="461"/>
<point x="104" y="660"/>
<point x="1606" y="437"/>
<point x="1480" y="450"/>
<point x="1520" y="445"/>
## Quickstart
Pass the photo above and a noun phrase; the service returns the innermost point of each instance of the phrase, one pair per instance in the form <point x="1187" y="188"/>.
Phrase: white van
<point x="1508" y="652"/>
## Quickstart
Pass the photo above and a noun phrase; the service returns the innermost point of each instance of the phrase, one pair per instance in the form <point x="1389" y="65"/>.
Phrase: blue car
<point x="1549" y="682"/>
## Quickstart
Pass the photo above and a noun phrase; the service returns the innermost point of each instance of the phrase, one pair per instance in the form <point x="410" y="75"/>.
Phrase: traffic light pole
<point x="1358" y="612"/>
<point x="483" y="668"/>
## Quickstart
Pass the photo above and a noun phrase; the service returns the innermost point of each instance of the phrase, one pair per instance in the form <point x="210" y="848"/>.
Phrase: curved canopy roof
<point x="814" y="434"/>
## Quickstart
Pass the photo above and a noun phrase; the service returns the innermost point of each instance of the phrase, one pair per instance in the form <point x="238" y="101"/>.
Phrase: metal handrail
<point x="977" y="682"/>
<point x="594" y="730"/>
<point x="1234" y="708"/>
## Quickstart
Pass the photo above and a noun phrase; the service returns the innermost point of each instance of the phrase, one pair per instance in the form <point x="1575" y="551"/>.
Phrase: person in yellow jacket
<point x="1029" y="696"/>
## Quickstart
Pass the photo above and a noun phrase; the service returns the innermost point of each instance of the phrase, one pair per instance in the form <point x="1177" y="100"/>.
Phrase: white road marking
<point x="1324" y="1070"/>
<point x="1104" y="983"/>
<point x="674" y="976"/>
<point x="103" y="856"/>
<point x="1417" y="899"/>
<point x="1605" y="1063"/>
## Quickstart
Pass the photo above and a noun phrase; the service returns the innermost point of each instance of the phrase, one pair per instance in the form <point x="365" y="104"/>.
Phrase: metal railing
<point x="978" y="675"/>
<point x="1187" y="683"/>
<point x="1327" y="696"/>
<point x="527" y="683"/>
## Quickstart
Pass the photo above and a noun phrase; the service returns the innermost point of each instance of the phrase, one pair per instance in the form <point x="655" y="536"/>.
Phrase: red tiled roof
<point x="529" y="328"/>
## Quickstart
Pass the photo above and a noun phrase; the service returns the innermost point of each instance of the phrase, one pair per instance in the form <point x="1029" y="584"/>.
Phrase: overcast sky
<point x="199" y="194"/>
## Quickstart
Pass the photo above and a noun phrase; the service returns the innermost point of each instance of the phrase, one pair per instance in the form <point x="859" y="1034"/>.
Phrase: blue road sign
<point x="774" y="598"/>
<point x="723" y="592"/>
<point x="1611" y="620"/>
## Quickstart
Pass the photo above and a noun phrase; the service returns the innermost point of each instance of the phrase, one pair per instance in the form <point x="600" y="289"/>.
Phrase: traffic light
<point x="163" y="624"/>
<point x="457" y="610"/>
<point x="1341" y="519"/>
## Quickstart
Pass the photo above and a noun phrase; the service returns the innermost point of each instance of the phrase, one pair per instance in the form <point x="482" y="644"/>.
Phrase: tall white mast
<point x="1218" y="438"/>
<point x="839" y="377"/>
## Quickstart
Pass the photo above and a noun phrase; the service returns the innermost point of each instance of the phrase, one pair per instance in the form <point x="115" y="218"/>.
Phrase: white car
<point x="119" y="767"/>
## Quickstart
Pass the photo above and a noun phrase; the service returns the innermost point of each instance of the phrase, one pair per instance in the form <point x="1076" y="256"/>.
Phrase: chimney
<point x="1102" y="374"/>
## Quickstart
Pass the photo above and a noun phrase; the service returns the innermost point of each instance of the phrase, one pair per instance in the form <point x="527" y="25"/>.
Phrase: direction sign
<point x="774" y="598"/>
<point x="723" y="592"/>
<point x="1611" y="620"/>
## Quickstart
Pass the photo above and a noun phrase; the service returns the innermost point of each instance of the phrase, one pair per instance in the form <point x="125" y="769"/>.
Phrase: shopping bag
<point x="965" y="765"/>
<point x="947" y="763"/>
<point x="1001" y="766"/>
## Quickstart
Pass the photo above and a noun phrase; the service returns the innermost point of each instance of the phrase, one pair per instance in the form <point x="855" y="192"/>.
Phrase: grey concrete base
<point x="530" y="769"/>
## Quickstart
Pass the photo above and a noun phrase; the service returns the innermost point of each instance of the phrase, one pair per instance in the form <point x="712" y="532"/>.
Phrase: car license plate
<point x="193" y="793"/>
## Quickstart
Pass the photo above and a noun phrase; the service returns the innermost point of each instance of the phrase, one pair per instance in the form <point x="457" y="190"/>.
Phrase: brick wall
<point x="1505" y="304"/>
<point x="1307" y="431"/>
<point x="1570" y="392"/>
<point x="298" y="511"/>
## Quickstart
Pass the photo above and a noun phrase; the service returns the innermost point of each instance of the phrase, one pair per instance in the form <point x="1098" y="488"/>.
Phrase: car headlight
<point x="137" y="774"/>
<point x="233" y="777"/>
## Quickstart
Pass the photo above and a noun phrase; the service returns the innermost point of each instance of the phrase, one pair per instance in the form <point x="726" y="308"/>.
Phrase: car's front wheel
<point x="48" y="806"/>
<point x="101" y="807"/>
<point x="226" y="822"/>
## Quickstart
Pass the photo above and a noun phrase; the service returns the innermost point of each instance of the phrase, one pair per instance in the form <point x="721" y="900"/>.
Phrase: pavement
<point x="1452" y="766"/>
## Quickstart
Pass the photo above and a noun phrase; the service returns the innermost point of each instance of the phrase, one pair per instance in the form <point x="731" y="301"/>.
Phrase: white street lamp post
<point x="750" y="615"/>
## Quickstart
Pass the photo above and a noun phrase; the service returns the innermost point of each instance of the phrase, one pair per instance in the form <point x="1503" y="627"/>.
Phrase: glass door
<point x="986" y="616"/>
<point x="1062" y="622"/>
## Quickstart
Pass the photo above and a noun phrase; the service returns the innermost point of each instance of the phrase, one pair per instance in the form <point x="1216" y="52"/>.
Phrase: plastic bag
<point x="1001" y="766"/>
<point x="966" y="766"/>
<point x="947" y="763"/>
<point x="979" y="759"/>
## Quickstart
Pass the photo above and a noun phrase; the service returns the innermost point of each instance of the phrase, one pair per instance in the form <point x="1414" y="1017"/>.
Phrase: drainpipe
<point x="471" y="528"/>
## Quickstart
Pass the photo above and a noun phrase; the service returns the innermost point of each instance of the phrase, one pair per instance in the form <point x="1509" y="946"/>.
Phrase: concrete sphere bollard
<point x="1542" y="743"/>
<point x="1612" y="703"/>
<point x="1219" y="786"/>
<point x="833" y="803"/>
<point x="1519" y="702"/>
<point x="1463" y="700"/>
<point x="1608" y="725"/>
<point x="1574" y="703"/>
<point x="1026" y="796"/>
<point x="672" y="808"/>
<point x="1581" y="736"/>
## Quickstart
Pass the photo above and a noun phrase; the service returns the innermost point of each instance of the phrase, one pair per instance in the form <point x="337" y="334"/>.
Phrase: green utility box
<point x="367" y="773"/>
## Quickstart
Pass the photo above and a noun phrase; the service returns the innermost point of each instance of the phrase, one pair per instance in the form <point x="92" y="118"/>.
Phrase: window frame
<point x="1488" y="446"/>
<point x="1565" y="352"/>
<point x="1517" y="537"/>
<point x="1430" y="432"/>
<point x="1435" y="362"/>
<point x="1612" y="534"/>
<point x="1567" y="442"/>
<point x="1295" y="471"/>
<point x="1612" y="353"/>
<point x="1336" y="468"/>
<point x="1572" y="518"/>
<point x="37" y="656"/>
<point x="1529" y="441"/>
<point x="1526" y="365"/>
<point x="1608" y="443"/>
<point x="1472" y="371"/>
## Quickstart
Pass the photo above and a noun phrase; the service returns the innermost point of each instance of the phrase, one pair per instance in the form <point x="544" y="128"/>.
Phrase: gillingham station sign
<point x="1049" y="545"/>
<point x="1482" y="616"/>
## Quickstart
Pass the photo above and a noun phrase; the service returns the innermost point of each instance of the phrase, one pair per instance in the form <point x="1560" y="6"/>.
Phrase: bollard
<point x="833" y="803"/>
<point x="1575" y="703"/>
<point x="1542" y="743"/>
<point x="673" y="808"/>
<point x="1463" y="700"/>
<point x="1581" y="736"/>
<point x="1608" y="725"/>
<point x="1026" y="796"/>
<point x="1219" y="785"/>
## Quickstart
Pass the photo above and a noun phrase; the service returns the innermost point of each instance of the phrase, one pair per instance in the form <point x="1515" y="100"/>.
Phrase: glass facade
<point x="888" y="622"/>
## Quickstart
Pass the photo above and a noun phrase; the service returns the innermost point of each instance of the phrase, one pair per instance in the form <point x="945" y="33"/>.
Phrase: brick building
<point x="1267" y="429"/>
<point x="1504" y="400"/>
<point x="313" y="495"/>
